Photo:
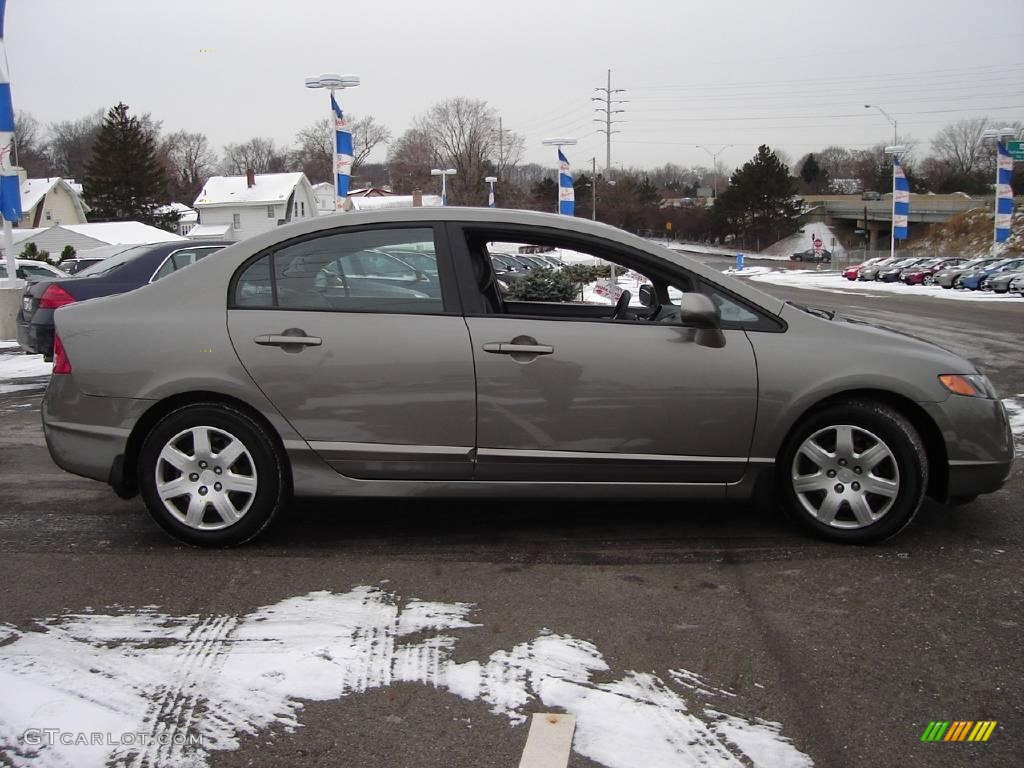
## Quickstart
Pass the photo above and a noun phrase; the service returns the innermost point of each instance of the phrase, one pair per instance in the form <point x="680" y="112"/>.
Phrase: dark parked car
<point x="127" y="270"/>
<point x="892" y="272"/>
<point x="924" y="274"/>
<point x="811" y="255"/>
<point x="715" y="389"/>
<point x="972" y="279"/>
<point x="946" y="277"/>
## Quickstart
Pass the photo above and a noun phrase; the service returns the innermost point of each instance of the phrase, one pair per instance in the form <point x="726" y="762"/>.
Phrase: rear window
<point x="109" y="265"/>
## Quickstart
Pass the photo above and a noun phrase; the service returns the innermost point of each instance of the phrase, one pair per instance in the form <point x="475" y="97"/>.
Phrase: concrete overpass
<point x="876" y="215"/>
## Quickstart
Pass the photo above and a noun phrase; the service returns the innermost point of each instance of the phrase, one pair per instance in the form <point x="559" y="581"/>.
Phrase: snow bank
<point x="804" y="239"/>
<point x="1015" y="409"/>
<point x="169" y="678"/>
<point x="22" y="372"/>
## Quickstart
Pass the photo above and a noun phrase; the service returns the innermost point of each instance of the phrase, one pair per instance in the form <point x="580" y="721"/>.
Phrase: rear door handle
<point x="518" y="349"/>
<point x="277" y="340"/>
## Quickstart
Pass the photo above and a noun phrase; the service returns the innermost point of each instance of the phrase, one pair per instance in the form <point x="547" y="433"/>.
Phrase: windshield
<point x="112" y="263"/>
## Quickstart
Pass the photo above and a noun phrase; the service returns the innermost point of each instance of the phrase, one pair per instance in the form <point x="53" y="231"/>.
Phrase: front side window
<point x="344" y="272"/>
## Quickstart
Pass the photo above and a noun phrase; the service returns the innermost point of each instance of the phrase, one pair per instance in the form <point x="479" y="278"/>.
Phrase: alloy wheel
<point x="206" y="478"/>
<point x="845" y="477"/>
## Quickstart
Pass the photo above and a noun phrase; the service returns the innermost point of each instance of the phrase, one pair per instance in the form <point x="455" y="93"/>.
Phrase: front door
<point x="376" y="376"/>
<point x="566" y="393"/>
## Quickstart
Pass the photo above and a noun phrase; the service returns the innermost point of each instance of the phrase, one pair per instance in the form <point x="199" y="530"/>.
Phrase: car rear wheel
<point x="854" y="471"/>
<point x="211" y="476"/>
<point x="928" y="280"/>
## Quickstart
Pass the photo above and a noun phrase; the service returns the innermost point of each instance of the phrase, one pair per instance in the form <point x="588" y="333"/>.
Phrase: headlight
<point x="969" y="385"/>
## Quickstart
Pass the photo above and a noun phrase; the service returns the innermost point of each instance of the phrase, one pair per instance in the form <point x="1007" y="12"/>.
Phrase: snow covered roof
<point x="122" y="232"/>
<point x="234" y="190"/>
<point x="209" y="231"/>
<point x="34" y="190"/>
<point x="391" y="201"/>
<point x="181" y="211"/>
<point x="23" y="234"/>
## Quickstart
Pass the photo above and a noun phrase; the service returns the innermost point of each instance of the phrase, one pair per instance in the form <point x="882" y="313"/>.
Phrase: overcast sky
<point x="791" y="74"/>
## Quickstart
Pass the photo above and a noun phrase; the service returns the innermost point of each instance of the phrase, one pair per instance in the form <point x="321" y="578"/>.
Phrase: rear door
<point x="378" y="380"/>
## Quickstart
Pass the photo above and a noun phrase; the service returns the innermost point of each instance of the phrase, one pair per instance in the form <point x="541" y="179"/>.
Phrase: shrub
<point x="67" y="253"/>
<point x="560" y="285"/>
<point x="32" y="252"/>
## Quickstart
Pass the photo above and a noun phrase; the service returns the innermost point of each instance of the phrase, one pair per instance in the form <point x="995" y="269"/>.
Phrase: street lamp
<point x="342" y="133"/>
<point x="895" y="150"/>
<point x="714" y="159"/>
<point x="490" y="180"/>
<point x="444" y="174"/>
<point x="565" y="191"/>
<point x="1004" y="170"/>
<point x="890" y="118"/>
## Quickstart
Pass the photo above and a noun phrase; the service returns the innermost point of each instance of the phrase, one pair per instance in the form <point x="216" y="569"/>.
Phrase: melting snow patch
<point x="219" y="677"/>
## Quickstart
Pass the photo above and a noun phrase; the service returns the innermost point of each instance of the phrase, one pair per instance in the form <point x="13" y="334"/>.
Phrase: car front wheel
<point x="854" y="471"/>
<point x="211" y="476"/>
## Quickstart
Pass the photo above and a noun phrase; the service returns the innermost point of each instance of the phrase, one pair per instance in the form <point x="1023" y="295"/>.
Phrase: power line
<point x="609" y="109"/>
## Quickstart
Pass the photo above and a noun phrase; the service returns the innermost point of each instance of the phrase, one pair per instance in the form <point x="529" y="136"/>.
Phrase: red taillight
<point x="54" y="297"/>
<point x="61" y="363"/>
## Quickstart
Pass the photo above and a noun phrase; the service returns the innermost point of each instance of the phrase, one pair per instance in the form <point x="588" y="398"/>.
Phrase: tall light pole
<point x="343" y="153"/>
<point x="565" y="190"/>
<point x="490" y="193"/>
<point x="1004" y="194"/>
<point x="890" y="118"/>
<point x="714" y="160"/>
<point x="444" y="174"/>
<point x="895" y="151"/>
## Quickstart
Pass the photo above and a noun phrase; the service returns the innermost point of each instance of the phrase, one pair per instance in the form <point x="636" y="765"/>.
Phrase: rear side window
<point x="351" y="271"/>
<point x="181" y="259"/>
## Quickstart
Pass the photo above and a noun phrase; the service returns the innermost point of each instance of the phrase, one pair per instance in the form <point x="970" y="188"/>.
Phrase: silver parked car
<point x="223" y="390"/>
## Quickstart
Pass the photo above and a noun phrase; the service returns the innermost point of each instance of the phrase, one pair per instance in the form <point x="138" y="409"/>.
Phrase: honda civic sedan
<point x="222" y="391"/>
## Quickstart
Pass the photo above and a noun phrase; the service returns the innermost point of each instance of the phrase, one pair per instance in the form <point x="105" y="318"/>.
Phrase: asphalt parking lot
<point x="427" y="632"/>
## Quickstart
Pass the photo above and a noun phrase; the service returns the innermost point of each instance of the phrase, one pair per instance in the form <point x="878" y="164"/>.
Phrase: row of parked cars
<point x="999" y="275"/>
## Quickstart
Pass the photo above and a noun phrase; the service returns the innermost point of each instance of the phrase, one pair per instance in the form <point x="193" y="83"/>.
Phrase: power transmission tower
<point x="609" y="104"/>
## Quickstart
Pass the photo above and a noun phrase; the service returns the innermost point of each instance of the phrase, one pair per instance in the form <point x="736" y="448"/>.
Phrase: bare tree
<point x="30" y="145"/>
<point x="71" y="143"/>
<point x="959" y="145"/>
<point x="189" y="162"/>
<point x="259" y="154"/>
<point x="314" y="154"/>
<point x="411" y="157"/>
<point x="464" y="134"/>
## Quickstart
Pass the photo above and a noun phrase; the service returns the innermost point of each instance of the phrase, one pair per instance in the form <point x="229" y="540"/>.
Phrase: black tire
<point x="268" y="466"/>
<point x="907" y="454"/>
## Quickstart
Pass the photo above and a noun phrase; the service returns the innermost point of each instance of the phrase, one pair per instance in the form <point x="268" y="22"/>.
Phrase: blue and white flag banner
<point x="10" y="186"/>
<point x="1004" y="194"/>
<point x="900" y="200"/>
<point x="342" y="153"/>
<point x="566" y="193"/>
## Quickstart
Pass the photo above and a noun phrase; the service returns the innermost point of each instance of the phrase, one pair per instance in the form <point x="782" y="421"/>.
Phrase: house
<point x="374" y="203"/>
<point x="45" y="202"/>
<point x="236" y="207"/>
<point x="185" y="217"/>
<point x="326" y="196"/>
<point x="82" y="237"/>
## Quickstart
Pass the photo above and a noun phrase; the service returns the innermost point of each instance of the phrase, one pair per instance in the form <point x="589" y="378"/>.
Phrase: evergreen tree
<point x="124" y="180"/>
<point x="810" y="170"/>
<point x="759" y="205"/>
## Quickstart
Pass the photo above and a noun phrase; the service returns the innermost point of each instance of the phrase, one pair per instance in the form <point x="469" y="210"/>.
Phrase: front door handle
<point x="281" y="340"/>
<point x="507" y="348"/>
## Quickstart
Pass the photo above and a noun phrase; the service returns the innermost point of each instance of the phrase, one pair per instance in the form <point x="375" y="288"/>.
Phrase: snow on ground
<point x="172" y="679"/>
<point x="1015" y="409"/>
<point x="747" y="271"/>
<point x="20" y="372"/>
<point x="804" y="239"/>
<point x="834" y="282"/>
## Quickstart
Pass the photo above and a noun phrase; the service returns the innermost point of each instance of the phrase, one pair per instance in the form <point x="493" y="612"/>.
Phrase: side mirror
<point x="421" y="276"/>
<point x="698" y="311"/>
<point x="647" y="295"/>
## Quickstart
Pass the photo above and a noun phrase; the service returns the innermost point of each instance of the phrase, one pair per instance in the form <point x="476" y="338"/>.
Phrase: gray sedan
<point x="221" y="391"/>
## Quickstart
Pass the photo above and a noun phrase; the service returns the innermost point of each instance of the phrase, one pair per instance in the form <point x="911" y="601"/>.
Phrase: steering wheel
<point x="619" y="313"/>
